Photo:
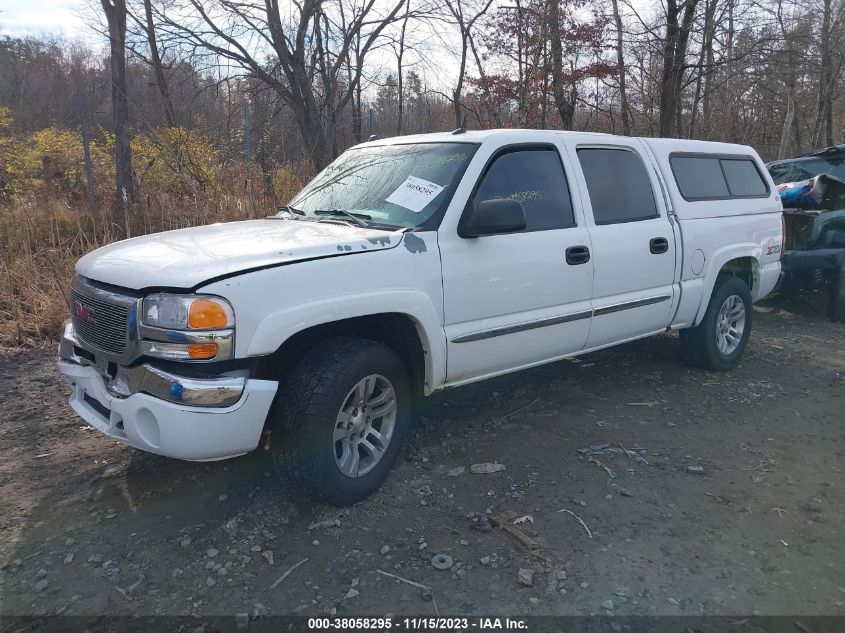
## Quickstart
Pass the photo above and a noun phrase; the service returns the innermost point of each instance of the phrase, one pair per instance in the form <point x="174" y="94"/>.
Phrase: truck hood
<point x="186" y="258"/>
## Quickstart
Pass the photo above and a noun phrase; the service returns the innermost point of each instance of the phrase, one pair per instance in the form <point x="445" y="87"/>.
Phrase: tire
<point x="714" y="344"/>
<point x="330" y="380"/>
<point x="836" y="298"/>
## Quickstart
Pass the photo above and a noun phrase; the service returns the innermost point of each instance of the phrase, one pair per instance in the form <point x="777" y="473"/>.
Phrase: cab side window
<point x="535" y="178"/>
<point x="619" y="186"/>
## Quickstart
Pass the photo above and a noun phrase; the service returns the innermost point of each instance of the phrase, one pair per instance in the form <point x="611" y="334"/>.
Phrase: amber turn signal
<point x="205" y="314"/>
<point x="203" y="350"/>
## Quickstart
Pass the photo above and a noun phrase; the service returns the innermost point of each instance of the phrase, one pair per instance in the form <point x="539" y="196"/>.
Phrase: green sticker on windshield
<point x="522" y="196"/>
<point x="439" y="161"/>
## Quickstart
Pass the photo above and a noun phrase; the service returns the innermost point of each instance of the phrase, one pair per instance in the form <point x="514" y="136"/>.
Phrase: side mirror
<point x="491" y="217"/>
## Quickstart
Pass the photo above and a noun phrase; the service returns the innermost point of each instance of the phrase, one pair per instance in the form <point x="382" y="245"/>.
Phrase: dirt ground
<point x="90" y="527"/>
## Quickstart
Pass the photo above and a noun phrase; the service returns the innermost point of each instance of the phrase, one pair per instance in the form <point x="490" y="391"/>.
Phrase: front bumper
<point x="192" y="430"/>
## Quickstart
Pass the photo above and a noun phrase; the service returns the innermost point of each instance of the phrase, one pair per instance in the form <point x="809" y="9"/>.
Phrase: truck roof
<point x="660" y="145"/>
<point x="468" y="136"/>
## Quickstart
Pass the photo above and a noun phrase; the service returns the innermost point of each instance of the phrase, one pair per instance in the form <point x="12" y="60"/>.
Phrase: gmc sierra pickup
<point x="407" y="266"/>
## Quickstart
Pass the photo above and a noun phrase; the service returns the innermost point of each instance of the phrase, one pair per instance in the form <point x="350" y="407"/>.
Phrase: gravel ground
<point x="727" y="501"/>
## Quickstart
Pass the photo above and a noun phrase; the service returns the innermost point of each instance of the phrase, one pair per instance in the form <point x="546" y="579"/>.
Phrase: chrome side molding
<point x="566" y="318"/>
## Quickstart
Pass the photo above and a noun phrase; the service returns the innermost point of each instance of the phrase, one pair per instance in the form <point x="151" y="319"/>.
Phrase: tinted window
<point x="743" y="178"/>
<point x="534" y="177"/>
<point x="699" y="177"/>
<point x="620" y="190"/>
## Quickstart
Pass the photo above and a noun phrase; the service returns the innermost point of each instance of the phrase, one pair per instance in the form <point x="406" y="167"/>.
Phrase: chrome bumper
<point x="223" y="391"/>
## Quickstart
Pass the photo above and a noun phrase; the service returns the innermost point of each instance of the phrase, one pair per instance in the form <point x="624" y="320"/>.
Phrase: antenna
<point x="463" y="128"/>
<point x="373" y="137"/>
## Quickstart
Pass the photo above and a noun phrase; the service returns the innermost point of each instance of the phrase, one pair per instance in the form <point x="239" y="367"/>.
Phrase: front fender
<point x="277" y="327"/>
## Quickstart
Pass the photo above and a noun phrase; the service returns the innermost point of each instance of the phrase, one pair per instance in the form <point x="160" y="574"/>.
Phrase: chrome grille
<point x="100" y="323"/>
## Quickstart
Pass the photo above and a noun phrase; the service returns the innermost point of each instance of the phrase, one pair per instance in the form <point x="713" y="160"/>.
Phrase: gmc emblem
<point x="84" y="312"/>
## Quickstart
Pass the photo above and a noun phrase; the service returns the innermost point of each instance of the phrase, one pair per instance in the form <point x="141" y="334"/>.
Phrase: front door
<point x="517" y="299"/>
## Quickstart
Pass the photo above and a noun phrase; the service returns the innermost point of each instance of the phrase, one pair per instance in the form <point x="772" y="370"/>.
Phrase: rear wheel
<point x="718" y="342"/>
<point x="836" y="299"/>
<point x="341" y="418"/>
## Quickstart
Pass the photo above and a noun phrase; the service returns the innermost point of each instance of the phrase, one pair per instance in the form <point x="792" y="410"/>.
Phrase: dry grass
<point x="41" y="238"/>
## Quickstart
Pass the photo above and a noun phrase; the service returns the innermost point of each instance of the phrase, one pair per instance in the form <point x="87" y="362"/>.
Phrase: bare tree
<point x="155" y="62"/>
<point x="485" y="85"/>
<point x="679" y="22"/>
<point x="620" y="64"/>
<point x="115" y="11"/>
<point x="399" y="70"/>
<point x="565" y="106"/>
<point x="831" y="60"/>
<point x="310" y="51"/>
<point x="465" y="16"/>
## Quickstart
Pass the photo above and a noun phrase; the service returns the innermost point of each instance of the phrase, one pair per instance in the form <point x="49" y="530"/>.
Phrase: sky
<point x="37" y="17"/>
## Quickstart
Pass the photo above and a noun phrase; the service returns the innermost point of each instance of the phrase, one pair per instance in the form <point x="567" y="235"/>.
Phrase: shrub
<point x="175" y="160"/>
<point x="51" y="161"/>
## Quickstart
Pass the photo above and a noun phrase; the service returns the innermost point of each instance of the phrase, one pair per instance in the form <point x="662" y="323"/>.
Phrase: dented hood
<point x="186" y="258"/>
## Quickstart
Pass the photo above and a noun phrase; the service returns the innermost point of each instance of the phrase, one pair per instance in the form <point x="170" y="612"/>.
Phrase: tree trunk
<point x="674" y="64"/>
<point x="787" y="125"/>
<point x="457" y="10"/>
<point x="667" y="97"/>
<point x="823" y="103"/>
<point x="115" y="11"/>
<point x="704" y="82"/>
<point x="155" y="58"/>
<point x="456" y="95"/>
<point x="709" y="35"/>
<point x="620" y="65"/>
<point x="399" y="56"/>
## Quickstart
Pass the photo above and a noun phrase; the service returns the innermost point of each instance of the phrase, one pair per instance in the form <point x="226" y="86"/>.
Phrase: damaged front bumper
<point x="145" y="407"/>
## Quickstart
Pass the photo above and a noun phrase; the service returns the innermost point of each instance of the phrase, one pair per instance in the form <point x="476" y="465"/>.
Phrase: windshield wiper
<point x="292" y="213"/>
<point x="357" y="218"/>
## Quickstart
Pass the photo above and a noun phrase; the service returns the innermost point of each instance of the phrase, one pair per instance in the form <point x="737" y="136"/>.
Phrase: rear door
<point x="633" y="243"/>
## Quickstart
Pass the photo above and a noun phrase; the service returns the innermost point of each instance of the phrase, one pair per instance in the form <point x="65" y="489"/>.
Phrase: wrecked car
<point x="410" y="265"/>
<point x="812" y="190"/>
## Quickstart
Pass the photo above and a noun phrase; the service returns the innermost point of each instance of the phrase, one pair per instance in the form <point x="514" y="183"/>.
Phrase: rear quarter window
<point x="743" y="178"/>
<point x="699" y="178"/>
<point x="717" y="177"/>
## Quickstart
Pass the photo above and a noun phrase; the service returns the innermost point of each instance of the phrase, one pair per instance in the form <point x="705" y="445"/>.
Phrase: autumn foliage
<point x="48" y="219"/>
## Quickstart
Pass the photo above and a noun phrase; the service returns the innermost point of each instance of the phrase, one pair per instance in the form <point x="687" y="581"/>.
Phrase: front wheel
<point x="718" y="342"/>
<point x="341" y="418"/>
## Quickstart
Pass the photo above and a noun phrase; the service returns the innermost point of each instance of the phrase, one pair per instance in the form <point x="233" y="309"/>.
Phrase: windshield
<point x="394" y="186"/>
<point x="807" y="168"/>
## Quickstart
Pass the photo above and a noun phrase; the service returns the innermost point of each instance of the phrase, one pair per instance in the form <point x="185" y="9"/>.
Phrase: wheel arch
<point x="399" y="331"/>
<point x="739" y="261"/>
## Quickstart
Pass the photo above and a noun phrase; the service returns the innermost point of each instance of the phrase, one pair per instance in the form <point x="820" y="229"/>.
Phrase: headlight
<point x="187" y="312"/>
<point x="187" y="327"/>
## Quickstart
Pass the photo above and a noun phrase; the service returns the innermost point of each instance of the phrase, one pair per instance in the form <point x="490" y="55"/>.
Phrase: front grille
<point x="102" y="324"/>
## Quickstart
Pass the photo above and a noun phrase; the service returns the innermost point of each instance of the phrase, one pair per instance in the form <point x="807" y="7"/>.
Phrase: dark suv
<point x="829" y="161"/>
<point x="812" y="189"/>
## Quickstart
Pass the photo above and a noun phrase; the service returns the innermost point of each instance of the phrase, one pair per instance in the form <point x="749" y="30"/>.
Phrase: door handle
<point x="576" y="255"/>
<point x="658" y="245"/>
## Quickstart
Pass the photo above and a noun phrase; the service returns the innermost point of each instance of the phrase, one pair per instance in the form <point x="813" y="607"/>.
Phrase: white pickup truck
<point x="411" y="265"/>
